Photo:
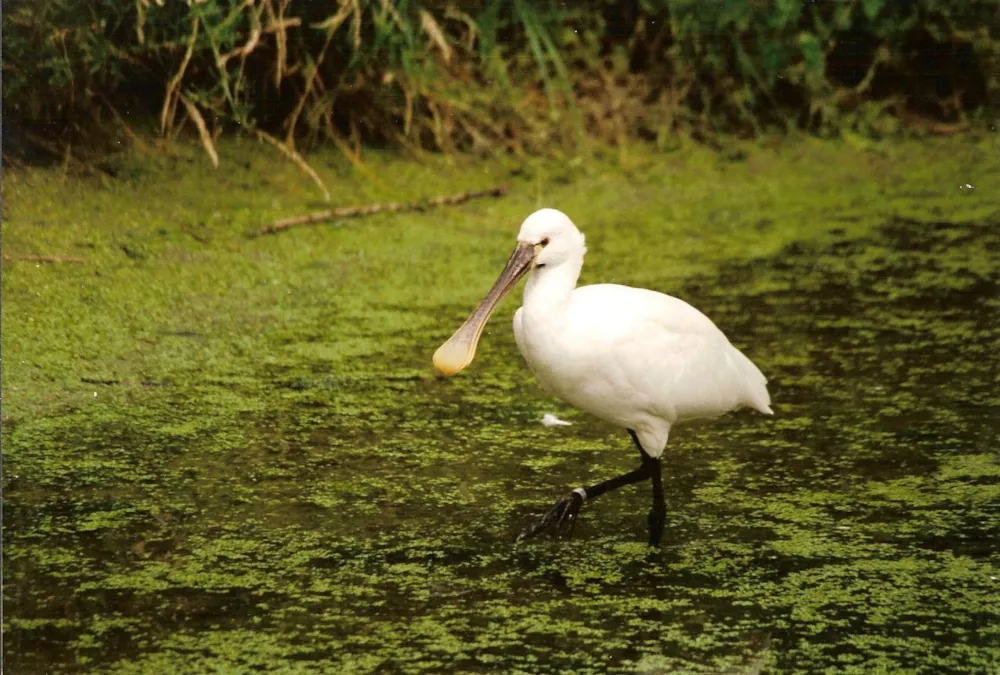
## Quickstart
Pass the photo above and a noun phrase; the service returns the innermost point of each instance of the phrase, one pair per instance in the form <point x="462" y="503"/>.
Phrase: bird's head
<point x="548" y="238"/>
<point x="553" y="238"/>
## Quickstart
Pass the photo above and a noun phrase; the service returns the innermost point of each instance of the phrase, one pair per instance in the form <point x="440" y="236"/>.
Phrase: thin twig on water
<point x="43" y="259"/>
<point x="389" y="207"/>
<point x="124" y="383"/>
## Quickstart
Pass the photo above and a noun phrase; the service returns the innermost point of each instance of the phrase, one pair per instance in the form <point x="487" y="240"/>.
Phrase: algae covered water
<point x="225" y="454"/>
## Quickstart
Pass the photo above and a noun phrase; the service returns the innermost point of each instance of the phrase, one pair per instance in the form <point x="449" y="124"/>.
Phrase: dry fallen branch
<point x="124" y="383"/>
<point x="295" y="157"/>
<point x="390" y="207"/>
<point x="12" y="160"/>
<point x="138" y="142"/>
<point x="171" y="98"/>
<point x="251" y="44"/>
<point x="43" y="258"/>
<point x="434" y="32"/>
<point x="65" y="152"/>
<point x="312" y="74"/>
<point x="203" y="133"/>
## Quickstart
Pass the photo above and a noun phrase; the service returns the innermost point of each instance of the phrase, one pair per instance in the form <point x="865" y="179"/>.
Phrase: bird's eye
<point x="544" y="241"/>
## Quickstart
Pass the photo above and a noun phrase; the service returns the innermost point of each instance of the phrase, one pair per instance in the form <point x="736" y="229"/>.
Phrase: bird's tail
<point x="756" y="396"/>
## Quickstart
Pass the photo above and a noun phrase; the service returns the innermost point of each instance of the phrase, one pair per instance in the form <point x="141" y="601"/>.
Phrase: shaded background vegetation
<point x="513" y="74"/>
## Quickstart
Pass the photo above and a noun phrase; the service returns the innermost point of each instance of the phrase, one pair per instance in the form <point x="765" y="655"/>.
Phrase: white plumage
<point x="635" y="358"/>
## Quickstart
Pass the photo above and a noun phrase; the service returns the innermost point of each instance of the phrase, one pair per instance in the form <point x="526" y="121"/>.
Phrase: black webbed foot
<point x="561" y="518"/>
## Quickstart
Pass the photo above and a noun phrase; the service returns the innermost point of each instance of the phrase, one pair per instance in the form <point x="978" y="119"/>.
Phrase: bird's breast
<point x="578" y="370"/>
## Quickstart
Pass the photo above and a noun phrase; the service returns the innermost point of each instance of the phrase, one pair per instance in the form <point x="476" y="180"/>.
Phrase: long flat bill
<point x="454" y="355"/>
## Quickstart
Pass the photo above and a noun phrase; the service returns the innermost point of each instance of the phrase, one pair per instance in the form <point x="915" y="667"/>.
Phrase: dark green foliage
<point x="818" y="64"/>
<point x="364" y="69"/>
<point x="503" y="73"/>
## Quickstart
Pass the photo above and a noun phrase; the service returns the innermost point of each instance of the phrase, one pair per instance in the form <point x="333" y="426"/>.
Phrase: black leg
<point x="658" y="514"/>
<point x="644" y="472"/>
<point x="563" y="515"/>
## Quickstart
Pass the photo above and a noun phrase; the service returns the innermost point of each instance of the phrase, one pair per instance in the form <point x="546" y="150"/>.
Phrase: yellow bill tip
<point x="453" y="356"/>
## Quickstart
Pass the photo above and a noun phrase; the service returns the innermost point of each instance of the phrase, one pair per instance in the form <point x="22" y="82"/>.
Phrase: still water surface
<point x="364" y="519"/>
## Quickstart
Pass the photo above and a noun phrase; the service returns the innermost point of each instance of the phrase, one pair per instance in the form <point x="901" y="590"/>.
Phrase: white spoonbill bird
<point x="638" y="359"/>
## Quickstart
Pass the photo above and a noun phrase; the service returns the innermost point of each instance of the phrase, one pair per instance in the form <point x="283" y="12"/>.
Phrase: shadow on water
<point x="364" y="522"/>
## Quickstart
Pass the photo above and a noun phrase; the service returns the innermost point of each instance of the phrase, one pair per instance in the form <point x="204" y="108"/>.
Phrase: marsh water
<point x="231" y="455"/>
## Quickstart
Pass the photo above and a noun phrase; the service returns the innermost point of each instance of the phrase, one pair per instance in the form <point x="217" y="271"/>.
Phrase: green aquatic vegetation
<point x="270" y="477"/>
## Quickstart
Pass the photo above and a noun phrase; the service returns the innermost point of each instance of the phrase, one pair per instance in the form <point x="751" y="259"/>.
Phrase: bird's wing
<point x="672" y="352"/>
<point x="624" y="311"/>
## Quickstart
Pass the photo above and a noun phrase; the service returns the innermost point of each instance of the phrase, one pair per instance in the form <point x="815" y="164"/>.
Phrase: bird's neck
<point x="547" y="292"/>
